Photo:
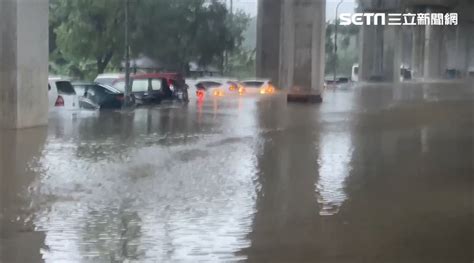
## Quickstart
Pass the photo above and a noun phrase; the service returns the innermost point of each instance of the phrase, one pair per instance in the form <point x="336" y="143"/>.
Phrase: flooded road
<point x="375" y="174"/>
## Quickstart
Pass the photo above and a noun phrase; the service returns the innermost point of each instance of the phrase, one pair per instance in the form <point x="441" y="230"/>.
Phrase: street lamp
<point x="335" y="40"/>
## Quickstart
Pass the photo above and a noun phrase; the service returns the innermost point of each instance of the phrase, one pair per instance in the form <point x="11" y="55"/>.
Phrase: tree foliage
<point x="344" y="59"/>
<point x="89" y="34"/>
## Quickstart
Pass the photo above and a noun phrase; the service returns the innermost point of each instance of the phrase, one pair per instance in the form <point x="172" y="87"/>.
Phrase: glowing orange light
<point x="267" y="89"/>
<point x="218" y="93"/>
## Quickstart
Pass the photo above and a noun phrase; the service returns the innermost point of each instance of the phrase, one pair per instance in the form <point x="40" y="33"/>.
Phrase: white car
<point x="61" y="94"/>
<point x="258" y="86"/>
<point x="218" y="87"/>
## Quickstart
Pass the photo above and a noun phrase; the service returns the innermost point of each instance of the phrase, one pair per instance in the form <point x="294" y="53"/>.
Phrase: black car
<point x="98" y="96"/>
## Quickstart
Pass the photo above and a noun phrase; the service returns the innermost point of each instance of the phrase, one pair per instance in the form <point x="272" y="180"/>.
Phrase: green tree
<point x="346" y="56"/>
<point x="88" y="31"/>
<point x="88" y="35"/>
<point x="178" y="32"/>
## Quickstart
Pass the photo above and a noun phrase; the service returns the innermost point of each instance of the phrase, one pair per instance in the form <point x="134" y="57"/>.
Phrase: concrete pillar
<point x="371" y="52"/>
<point x="302" y="45"/>
<point x="435" y="59"/>
<point x="407" y="46"/>
<point x="380" y="53"/>
<point x="418" y="53"/>
<point x="287" y="48"/>
<point x="268" y="39"/>
<point x="380" y="46"/>
<point x="392" y="53"/>
<point x="469" y="50"/>
<point x="23" y="63"/>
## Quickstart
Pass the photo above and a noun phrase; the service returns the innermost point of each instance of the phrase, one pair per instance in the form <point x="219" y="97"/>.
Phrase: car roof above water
<point x="58" y="78"/>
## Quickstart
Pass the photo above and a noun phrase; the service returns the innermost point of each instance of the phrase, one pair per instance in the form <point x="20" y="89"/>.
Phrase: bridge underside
<point x="284" y="39"/>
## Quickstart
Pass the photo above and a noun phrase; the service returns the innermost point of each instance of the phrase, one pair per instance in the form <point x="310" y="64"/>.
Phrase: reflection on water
<point x="164" y="190"/>
<point x="334" y="167"/>
<point x="19" y="155"/>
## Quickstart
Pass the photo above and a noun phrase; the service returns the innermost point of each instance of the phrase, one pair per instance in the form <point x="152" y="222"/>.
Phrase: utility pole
<point x="335" y="41"/>
<point x="226" y="53"/>
<point x="128" y="88"/>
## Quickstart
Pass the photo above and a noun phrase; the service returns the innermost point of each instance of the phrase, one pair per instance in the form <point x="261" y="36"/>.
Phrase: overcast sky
<point x="250" y="6"/>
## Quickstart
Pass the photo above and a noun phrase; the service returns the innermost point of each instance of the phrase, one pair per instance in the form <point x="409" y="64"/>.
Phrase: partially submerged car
<point x="61" y="94"/>
<point x="150" y="88"/>
<point x="98" y="96"/>
<point x="218" y="87"/>
<point x="260" y="86"/>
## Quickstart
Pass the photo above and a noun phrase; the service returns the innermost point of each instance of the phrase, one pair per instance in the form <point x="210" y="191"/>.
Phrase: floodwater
<point x="375" y="174"/>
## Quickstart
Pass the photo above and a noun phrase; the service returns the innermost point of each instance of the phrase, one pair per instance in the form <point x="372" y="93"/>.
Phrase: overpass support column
<point x="380" y="53"/>
<point x="430" y="54"/>
<point x="302" y="55"/>
<point x="435" y="58"/>
<point x="468" y="49"/>
<point x="418" y="53"/>
<point x="268" y="38"/>
<point x="23" y="63"/>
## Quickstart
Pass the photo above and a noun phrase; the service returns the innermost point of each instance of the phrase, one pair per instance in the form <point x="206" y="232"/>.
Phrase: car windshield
<point x="110" y="89"/>
<point x="120" y="85"/>
<point x="210" y="84"/>
<point x="65" y="88"/>
<point x="253" y="84"/>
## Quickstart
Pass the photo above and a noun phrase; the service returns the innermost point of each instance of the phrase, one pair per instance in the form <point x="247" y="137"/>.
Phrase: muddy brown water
<point x="377" y="173"/>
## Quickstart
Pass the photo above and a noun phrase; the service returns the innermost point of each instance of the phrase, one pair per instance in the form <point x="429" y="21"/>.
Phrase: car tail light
<point x="200" y="94"/>
<point x="271" y="88"/>
<point x="59" y="102"/>
<point x="218" y="93"/>
<point x="241" y="90"/>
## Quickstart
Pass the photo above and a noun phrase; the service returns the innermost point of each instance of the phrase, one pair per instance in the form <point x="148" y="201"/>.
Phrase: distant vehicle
<point x="211" y="87"/>
<point x="218" y="87"/>
<point x="261" y="86"/>
<point x="61" y="94"/>
<point x="355" y="73"/>
<point x="470" y="72"/>
<point x="405" y="74"/>
<point x="98" y="96"/>
<point x="149" y="88"/>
